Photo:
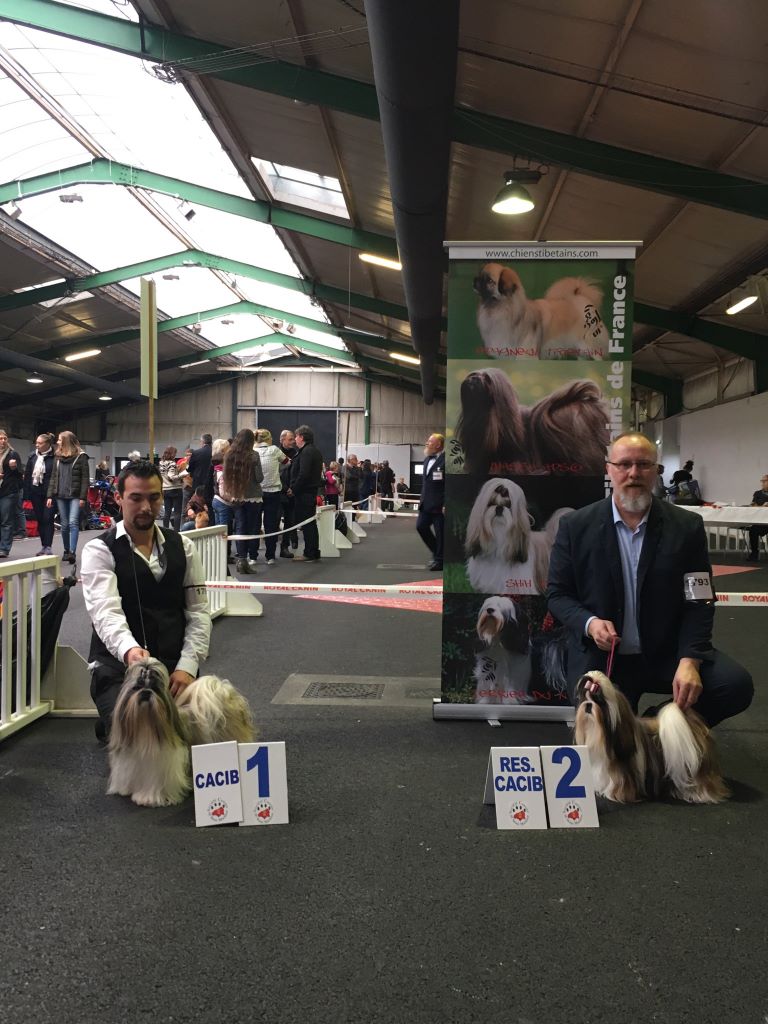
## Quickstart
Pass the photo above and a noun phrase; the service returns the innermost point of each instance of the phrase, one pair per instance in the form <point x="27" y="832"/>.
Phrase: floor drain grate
<point x="336" y="691"/>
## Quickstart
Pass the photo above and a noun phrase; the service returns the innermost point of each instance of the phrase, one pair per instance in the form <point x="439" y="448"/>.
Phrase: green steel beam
<point x="196" y="258"/>
<point x="671" y="389"/>
<point x="100" y="172"/>
<point x="748" y="344"/>
<point x="159" y="45"/>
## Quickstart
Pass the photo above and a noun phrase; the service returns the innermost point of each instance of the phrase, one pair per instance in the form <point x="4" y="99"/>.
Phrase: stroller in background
<point x="100" y="506"/>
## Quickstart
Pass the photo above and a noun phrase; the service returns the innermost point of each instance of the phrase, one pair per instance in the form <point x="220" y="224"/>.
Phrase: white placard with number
<point x="216" y="784"/>
<point x="569" y="787"/>
<point x="263" y="783"/>
<point x="515" y="780"/>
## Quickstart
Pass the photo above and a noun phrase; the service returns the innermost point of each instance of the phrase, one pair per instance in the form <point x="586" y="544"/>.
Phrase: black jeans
<point x="44" y="517"/>
<point x="172" y="507"/>
<point x="305" y="506"/>
<point x="430" y="528"/>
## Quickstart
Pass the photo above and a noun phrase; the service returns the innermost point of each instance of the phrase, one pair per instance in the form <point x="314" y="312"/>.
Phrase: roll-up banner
<point x="539" y="363"/>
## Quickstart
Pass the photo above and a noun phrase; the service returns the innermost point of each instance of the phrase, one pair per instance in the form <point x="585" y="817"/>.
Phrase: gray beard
<point x="634" y="502"/>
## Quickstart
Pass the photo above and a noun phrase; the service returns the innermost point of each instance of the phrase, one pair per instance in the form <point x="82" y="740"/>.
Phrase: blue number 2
<point x="260" y="760"/>
<point x="564" y="788"/>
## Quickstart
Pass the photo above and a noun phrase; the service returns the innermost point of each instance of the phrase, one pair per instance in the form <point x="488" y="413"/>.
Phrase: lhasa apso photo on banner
<point x="564" y="433"/>
<point x="564" y="323"/>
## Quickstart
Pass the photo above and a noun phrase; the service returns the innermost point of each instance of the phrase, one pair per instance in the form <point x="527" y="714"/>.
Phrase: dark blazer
<point x="199" y="466"/>
<point x="433" y="490"/>
<point x="307" y="471"/>
<point x="42" y="487"/>
<point x="585" y="579"/>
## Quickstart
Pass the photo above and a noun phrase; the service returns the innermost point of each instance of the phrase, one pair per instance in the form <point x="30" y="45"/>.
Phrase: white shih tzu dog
<point x="635" y="758"/>
<point x="505" y="555"/>
<point x="503" y="669"/>
<point x="151" y="733"/>
<point x="564" y="324"/>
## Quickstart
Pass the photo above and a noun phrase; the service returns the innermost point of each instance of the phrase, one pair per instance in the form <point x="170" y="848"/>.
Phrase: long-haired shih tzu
<point x="151" y="733"/>
<point x="635" y="758"/>
<point x="502" y="671"/>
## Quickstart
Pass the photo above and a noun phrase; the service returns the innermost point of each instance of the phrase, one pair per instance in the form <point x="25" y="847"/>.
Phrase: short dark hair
<point x="306" y="433"/>
<point x="143" y="470"/>
<point x="206" y="438"/>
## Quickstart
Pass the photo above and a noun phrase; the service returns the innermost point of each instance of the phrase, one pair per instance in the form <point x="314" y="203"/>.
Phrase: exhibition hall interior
<point x="378" y="381"/>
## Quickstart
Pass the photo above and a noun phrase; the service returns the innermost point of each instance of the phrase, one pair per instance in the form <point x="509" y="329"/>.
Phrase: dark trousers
<point x="727" y="686"/>
<point x="288" y="539"/>
<point x="429" y="526"/>
<point x="755" y="533"/>
<point x="44" y="517"/>
<point x="172" y="507"/>
<point x="305" y="506"/>
<point x="247" y="521"/>
<point x="270" y="515"/>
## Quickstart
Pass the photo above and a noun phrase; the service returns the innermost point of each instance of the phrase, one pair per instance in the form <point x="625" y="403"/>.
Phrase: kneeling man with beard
<point x="632" y="572"/>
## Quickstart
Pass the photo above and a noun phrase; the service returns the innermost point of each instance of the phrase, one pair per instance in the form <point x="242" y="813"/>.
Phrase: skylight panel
<point x="301" y="187"/>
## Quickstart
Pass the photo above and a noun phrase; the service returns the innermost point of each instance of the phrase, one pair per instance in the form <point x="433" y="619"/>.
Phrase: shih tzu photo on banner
<point x="565" y="323"/>
<point x="566" y="431"/>
<point x="504" y="554"/>
<point x="635" y="758"/>
<point x="151" y="732"/>
<point x="503" y="668"/>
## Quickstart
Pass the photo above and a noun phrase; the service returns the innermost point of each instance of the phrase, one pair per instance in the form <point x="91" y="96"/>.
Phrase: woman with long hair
<point x="69" y="487"/>
<point x="223" y="511"/>
<point x="172" y="488"/>
<point x="241" y="486"/>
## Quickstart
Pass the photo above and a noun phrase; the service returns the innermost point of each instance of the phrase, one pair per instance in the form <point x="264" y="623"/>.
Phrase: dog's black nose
<point x="588" y="709"/>
<point x="145" y="695"/>
<point x="499" y="510"/>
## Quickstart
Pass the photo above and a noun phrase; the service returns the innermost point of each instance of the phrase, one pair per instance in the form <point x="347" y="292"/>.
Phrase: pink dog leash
<point x="609" y="666"/>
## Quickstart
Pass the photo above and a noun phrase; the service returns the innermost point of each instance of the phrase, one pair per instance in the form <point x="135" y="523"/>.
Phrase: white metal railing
<point x="213" y="554"/>
<point x="20" y="701"/>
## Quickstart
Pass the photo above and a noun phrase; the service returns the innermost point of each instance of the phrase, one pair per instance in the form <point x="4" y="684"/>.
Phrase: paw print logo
<point x="217" y="809"/>
<point x="573" y="813"/>
<point x="264" y="812"/>
<point x="519" y="813"/>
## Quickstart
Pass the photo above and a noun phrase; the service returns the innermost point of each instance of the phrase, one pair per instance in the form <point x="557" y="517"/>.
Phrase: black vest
<point x="153" y="609"/>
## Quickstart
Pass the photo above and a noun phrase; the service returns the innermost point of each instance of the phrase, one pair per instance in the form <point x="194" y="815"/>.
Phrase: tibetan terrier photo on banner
<point x="151" y="732"/>
<point x="504" y="553"/>
<point x="671" y="755"/>
<point x="564" y="324"/>
<point x="503" y="667"/>
<point x="565" y="432"/>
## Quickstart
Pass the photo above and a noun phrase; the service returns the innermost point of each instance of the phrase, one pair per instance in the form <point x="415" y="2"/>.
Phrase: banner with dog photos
<point x="539" y="363"/>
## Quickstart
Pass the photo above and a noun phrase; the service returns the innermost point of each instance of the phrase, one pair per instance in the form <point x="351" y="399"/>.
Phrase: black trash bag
<point x="52" y="608"/>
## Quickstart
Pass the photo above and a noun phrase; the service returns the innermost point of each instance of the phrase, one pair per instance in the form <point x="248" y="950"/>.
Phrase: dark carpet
<point x="390" y="897"/>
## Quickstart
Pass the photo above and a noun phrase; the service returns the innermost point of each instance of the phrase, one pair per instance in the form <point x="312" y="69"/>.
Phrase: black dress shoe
<point x="285" y="553"/>
<point x="436" y="567"/>
<point x="753" y="557"/>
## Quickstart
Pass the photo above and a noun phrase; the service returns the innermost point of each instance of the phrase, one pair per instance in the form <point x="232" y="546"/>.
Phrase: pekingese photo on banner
<point x="535" y="419"/>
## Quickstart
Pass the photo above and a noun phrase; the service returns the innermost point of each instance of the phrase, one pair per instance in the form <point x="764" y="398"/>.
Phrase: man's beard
<point x="634" y="500"/>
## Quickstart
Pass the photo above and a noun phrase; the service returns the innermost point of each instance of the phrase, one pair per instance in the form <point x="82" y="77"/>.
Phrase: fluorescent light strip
<point x="85" y="354"/>
<point x="741" y="304"/>
<point x="405" y="359"/>
<point x="380" y="261"/>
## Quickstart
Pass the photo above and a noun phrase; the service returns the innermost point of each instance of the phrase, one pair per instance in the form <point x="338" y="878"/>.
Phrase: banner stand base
<point x="494" y="714"/>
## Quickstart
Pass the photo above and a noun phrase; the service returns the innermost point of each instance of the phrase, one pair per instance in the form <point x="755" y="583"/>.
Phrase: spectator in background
<point x="332" y="485"/>
<point x="196" y="507"/>
<point x="187" y="490"/>
<point x="306" y="478"/>
<point x="241" y="485"/>
<point x="659" y="490"/>
<point x="288" y="540"/>
<point x="386" y="486"/>
<point x="102" y="471"/>
<point x="10" y="485"/>
<point x="684" y="475"/>
<point x="69" y="487"/>
<point x="37" y="476"/>
<point x="759" y="498"/>
<point x="134" y="457"/>
<point x="200" y="467"/>
<point x="353" y="478"/>
<point x="367" y="483"/>
<point x="172" y="488"/>
<point x="223" y="511"/>
<point x="430" y="521"/>
<point x="272" y="459"/>
<point x="402" y="486"/>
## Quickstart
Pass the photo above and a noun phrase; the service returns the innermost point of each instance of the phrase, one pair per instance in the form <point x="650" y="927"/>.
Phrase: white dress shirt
<point x="102" y="599"/>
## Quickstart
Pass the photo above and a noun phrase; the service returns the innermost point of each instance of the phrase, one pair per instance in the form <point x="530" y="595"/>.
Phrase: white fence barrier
<point x="23" y="583"/>
<point x="212" y="549"/>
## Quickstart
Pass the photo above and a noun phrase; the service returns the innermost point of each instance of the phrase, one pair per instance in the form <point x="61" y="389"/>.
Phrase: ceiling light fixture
<point x="186" y="366"/>
<point x="196" y="328"/>
<point x="745" y="296"/>
<point x="70" y="197"/>
<point x="35" y="379"/>
<point x="513" y="198"/>
<point x="170" y="277"/>
<point x="85" y="354"/>
<point x="104" y="397"/>
<point x="186" y="210"/>
<point x="380" y="261"/>
<point x="227" y="321"/>
<point x="15" y="211"/>
<point x="405" y="359"/>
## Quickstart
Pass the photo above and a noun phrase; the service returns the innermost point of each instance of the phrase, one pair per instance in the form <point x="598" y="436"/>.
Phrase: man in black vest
<point x="144" y="590"/>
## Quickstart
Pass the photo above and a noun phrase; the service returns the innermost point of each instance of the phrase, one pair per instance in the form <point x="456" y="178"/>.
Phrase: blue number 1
<point x="260" y="760"/>
<point x="564" y="788"/>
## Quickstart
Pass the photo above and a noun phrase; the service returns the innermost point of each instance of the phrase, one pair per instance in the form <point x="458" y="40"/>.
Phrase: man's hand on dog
<point x="686" y="686"/>
<point x="179" y="680"/>
<point x="603" y="632"/>
<point x="135" y="654"/>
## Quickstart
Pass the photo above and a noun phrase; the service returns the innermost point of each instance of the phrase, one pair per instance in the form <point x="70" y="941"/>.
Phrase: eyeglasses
<point x="642" y="464"/>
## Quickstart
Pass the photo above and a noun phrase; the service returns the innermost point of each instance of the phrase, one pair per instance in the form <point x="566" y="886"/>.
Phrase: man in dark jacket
<point x="633" y="573"/>
<point x="10" y="486"/>
<point x="37" y="476"/>
<point x="287" y="540"/>
<point x="386" y="485"/>
<point x="431" y="517"/>
<point x="200" y="468"/>
<point x="306" y="478"/>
